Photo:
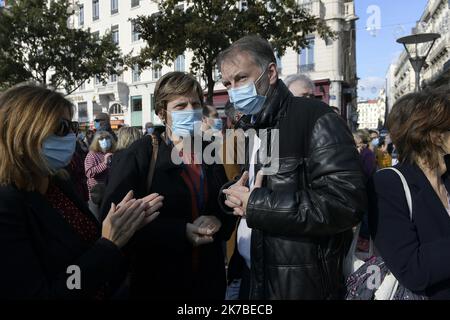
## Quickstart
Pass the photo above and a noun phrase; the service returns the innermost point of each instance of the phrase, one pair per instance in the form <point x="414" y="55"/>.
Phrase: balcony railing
<point x="306" y="68"/>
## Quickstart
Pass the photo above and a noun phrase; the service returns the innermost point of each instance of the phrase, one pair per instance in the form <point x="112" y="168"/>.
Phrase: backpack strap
<point x="151" y="171"/>
<point x="405" y="188"/>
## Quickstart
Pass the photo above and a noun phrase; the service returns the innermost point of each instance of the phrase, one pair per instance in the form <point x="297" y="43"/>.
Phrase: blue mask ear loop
<point x="260" y="77"/>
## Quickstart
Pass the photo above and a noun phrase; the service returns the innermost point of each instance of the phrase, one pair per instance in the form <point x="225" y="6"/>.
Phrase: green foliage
<point x="207" y="27"/>
<point x="37" y="43"/>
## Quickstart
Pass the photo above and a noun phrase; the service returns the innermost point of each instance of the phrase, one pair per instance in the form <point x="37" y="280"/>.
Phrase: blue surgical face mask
<point x="218" y="124"/>
<point x="183" y="121"/>
<point x="105" y="144"/>
<point x="97" y="125"/>
<point x="150" y="130"/>
<point x="375" y="142"/>
<point x="246" y="99"/>
<point x="58" y="151"/>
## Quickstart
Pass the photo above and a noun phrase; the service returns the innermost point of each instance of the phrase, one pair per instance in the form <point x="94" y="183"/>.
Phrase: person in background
<point x="384" y="159"/>
<point x="300" y="85"/>
<point x="415" y="249"/>
<point x="374" y="140"/>
<point x="102" y="123"/>
<point x="149" y="128"/>
<point x="76" y="165"/>
<point x="233" y="116"/>
<point x="47" y="232"/>
<point x="126" y="136"/>
<point x="89" y="137"/>
<point x="211" y="120"/>
<point x="181" y="257"/>
<point x="369" y="167"/>
<point x="97" y="166"/>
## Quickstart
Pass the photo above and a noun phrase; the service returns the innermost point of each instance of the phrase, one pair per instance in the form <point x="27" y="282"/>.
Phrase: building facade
<point x="401" y="78"/>
<point x="371" y="112"/>
<point x="128" y="98"/>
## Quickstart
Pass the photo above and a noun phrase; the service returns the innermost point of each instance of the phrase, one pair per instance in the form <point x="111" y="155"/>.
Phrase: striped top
<point x="96" y="169"/>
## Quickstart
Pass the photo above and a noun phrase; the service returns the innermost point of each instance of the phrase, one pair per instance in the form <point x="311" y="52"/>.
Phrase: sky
<point x="377" y="49"/>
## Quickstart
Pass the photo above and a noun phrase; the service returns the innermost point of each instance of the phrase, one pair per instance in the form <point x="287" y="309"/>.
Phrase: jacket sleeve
<point x="335" y="197"/>
<point x="93" y="168"/>
<point x="22" y="275"/>
<point x="227" y="218"/>
<point x="416" y="265"/>
<point x="124" y="175"/>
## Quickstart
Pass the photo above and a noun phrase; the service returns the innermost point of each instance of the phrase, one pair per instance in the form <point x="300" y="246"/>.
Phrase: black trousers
<point x="244" y="290"/>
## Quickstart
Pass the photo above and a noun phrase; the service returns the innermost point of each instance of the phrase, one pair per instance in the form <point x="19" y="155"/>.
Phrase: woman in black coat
<point x="180" y="256"/>
<point x="51" y="244"/>
<point x="416" y="251"/>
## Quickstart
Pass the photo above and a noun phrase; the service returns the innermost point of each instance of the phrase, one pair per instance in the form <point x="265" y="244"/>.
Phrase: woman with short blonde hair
<point x="47" y="234"/>
<point x="126" y="136"/>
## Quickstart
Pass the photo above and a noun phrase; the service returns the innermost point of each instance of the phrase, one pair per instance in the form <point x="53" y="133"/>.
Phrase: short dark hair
<point x="415" y="120"/>
<point x="258" y="48"/>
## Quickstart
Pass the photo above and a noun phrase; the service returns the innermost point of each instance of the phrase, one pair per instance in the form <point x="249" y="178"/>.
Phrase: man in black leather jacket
<point x="296" y="225"/>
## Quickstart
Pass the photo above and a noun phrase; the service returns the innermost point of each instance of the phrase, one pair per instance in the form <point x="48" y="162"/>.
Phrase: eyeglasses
<point x="67" y="126"/>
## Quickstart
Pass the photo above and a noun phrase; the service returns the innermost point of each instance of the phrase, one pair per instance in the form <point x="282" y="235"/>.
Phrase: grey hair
<point x="258" y="48"/>
<point x="307" y="82"/>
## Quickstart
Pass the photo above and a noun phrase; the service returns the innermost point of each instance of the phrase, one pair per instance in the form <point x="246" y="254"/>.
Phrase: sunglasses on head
<point x="67" y="126"/>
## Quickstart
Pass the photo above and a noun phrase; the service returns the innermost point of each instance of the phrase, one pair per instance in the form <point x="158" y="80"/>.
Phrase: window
<point x="306" y="57"/>
<point x="115" y="34"/>
<point x="113" y="78"/>
<point x="135" y="35"/>
<point x="114" y="6"/>
<point x="216" y="73"/>
<point x="135" y="3"/>
<point x="81" y="15"/>
<point x="116" y="109"/>
<point x="82" y="112"/>
<point x="152" y="103"/>
<point x="179" y="63"/>
<point x="156" y="70"/>
<point x="136" y="103"/>
<point x="135" y="73"/>
<point x="96" y="35"/>
<point x="95" y="10"/>
<point x="82" y="86"/>
<point x="243" y="5"/>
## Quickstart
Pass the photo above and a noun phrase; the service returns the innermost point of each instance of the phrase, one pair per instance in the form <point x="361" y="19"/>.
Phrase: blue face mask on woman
<point x="375" y="142"/>
<point x="246" y="99"/>
<point x="105" y="144"/>
<point x="58" y="151"/>
<point x="218" y="124"/>
<point x="150" y="130"/>
<point x="183" y="121"/>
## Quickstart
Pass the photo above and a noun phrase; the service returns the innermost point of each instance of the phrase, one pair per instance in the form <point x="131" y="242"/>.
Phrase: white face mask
<point x="105" y="144"/>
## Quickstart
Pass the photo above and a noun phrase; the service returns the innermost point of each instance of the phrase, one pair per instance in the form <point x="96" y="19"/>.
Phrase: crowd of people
<point x="140" y="225"/>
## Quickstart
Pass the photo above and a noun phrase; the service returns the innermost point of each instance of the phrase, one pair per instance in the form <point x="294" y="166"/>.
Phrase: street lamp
<point x="416" y="56"/>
